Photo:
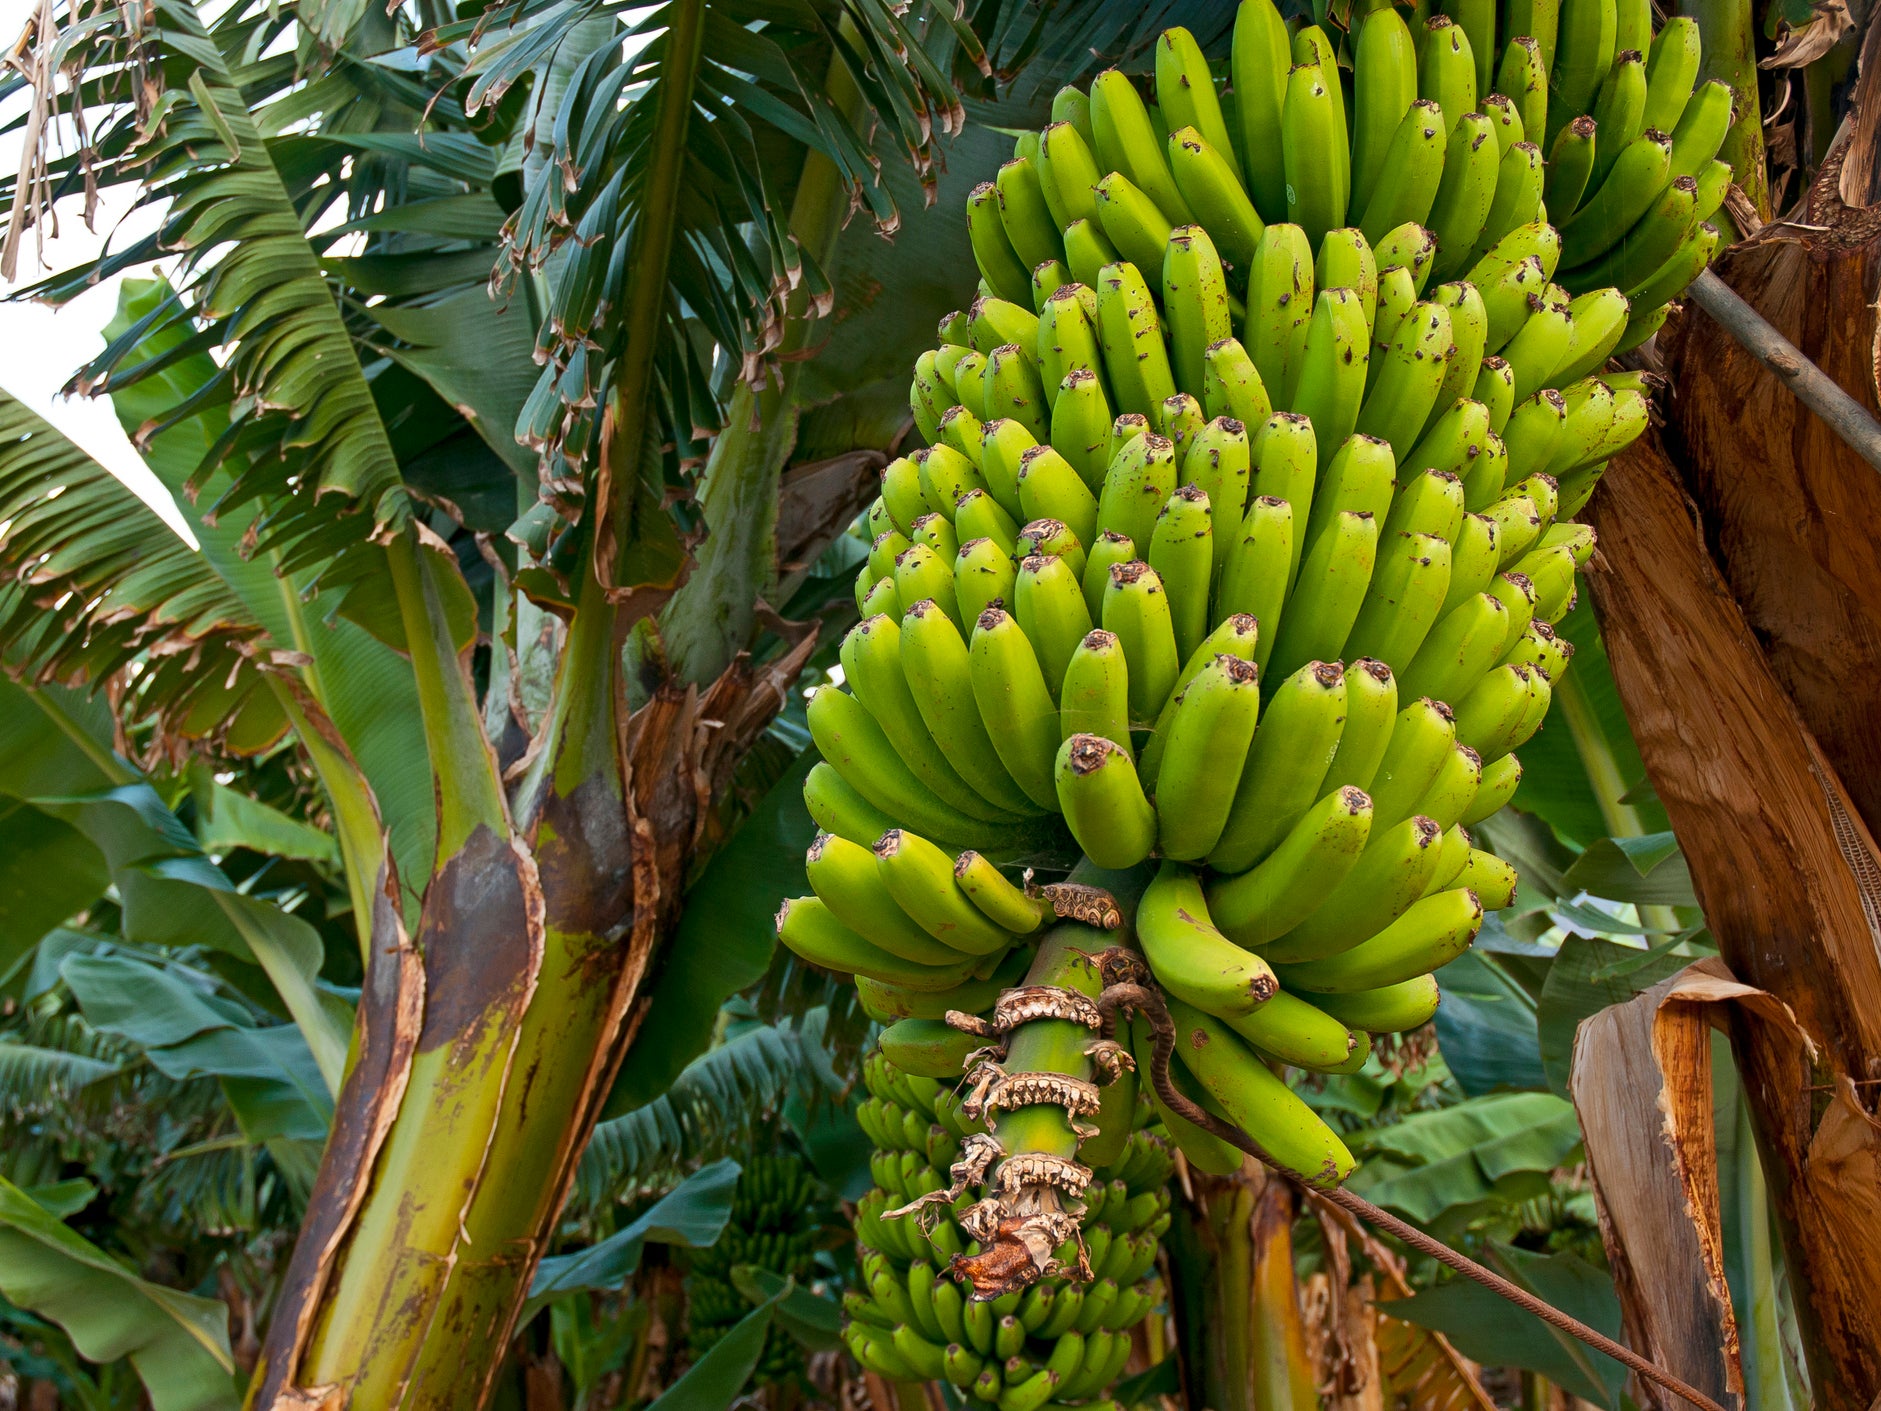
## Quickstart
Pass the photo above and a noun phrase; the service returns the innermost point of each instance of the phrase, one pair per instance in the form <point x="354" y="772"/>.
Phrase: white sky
<point x="40" y="347"/>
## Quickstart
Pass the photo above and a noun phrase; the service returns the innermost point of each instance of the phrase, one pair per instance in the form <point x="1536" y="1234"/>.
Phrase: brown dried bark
<point x="1787" y="875"/>
<point x="1789" y="511"/>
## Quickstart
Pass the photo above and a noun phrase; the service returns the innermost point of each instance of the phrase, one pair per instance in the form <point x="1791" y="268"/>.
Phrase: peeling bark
<point x="1789" y="511"/>
<point x="1785" y="870"/>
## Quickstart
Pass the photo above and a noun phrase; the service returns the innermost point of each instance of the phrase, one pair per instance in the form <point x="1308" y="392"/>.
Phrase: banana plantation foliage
<point x="906" y="706"/>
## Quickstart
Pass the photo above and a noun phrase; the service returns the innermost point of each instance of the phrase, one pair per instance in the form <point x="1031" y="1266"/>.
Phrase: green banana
<point x="811" y="930"/>
<point x="939" y="674"/>
<point x="946" y="475"/>
<point x="1014" y="390"/>
<point x="1009" y="686"/>
<point x="1110" y="550"/>
<point x="983" y="574"/>
<point x="1191" y="959"/>
<point x="1134" y="354"/>
<point x="1295" y="742"/>
<point x="1391" y="1009"/>
<point x="937" y="533"/>
<point x="1132" y="221"/>
<point x="1185" y="92"/>
<point x="1584" y="48"/>
<point x="1453" y="788"/>
<point x="1401" y="399"/>
<point x="1141" y="478"/>
<point x="1500" y="778"/>
<point x="1279" y="303"/>
<point x="1137" y="609"/>
<point x="1003" y="441"/>
<point x="837" y="807"/>
<point x="1262" y="56"/>
<point x="1329" y="386"/>
<point x="1357" y="478"/>
<point x="1207" y="742"/>
<point x="922" y="573"/>
<point x="1256" y="566"/>
<point x="1255" y="907"/>
<point x="1389" y="877"/>
<point x="1404" y="599"/>
<point x="1446" y="69"/>
<point x="1600" y="318"/>
<point x="1051" y="488"/>
<point x="1000" y="265"/>
<point x="1204" y="174"/>
<point x="1067" y="342"/>
<point x="1520" y="177"/>
<point x="1088" y="250"/>
<point x="1631" y="187"/>
<point x="1671" y="72"/>
<point x="1028" y="221"/>
<point x="1068" y="171"/>
<point x="1469" y="336"/>
<point x="1314" y="156"/>
<point x="1619" y="112"/>
<point x="1257" y="1101"/>
<point x="1195" y="303"/>
<point x="1334" y="574"/>
<point x="1346" y="261"/>
<point x="1103" y="802"/>
<point x="1128" y="142"/>
<point x="929" y="1048"/>
<point x="920" y="876"/>
<point x="1539" y="346"/>
<point x="1570" y="167"/>
<point x="1095" y="696"/>
<point x="1405" y="188"/>
<point x="1371" y="709"/>
<point x="1081" y="422"/>
<point x="844" y="876"/>
<point x="1431" y="933"/>
<point x="1421" y="740"/>
<point x="1645" y="250"/>
<point x="1463" y="645"/>
<point x="1218" y="462"/>
<point x="1523" y="77"/>
<point x="1384" y="70"/>
<point x="1701" y="129"/>
<point x="1472" y="159"/>
<point x="1232" y="386"/>
<point x="1182" y="552"/>
<point x="1050" y="609"/>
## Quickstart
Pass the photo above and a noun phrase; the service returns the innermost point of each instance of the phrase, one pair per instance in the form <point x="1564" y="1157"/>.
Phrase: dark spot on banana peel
<point x="1354" y="800"/>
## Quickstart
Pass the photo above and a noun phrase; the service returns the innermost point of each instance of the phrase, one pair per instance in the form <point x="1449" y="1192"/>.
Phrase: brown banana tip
<point x="1426" y="829"/>
<point x="1374" y="668"/>
<point x="888" y="844"/>
<point x="1098" y="640"/>
<point x="964" y="862"/>
<point x="1090" y="753"/>
<point x="1354" y="800"/>
<point x="1442" y="707"/>
<point x="1473" y="756"/>
<point x="990" y="618"/>
<point x="1125" y="575"/>
<point x="1035" y="563"/>
<point x="1240" y="671"/>
<point x="1327" y="673"/>
<point x="817" y="844"/>
<point x="1189" y="494"/>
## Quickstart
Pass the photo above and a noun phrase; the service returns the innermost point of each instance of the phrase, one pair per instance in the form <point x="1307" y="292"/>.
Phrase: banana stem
<point x="1728" y="37"/>
<point x="1031" y="1215"/>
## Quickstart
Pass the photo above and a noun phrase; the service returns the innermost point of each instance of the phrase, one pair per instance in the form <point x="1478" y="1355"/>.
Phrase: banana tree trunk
<point x="1243" y="1330"/>
<point x="486" y="1040"/>
<point x="1789" y="876"/>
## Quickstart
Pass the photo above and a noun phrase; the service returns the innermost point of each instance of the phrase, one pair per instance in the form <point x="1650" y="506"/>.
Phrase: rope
<point x="1148" y="1001"/>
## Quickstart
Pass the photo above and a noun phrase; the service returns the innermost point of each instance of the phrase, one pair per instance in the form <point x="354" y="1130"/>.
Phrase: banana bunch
<point x="1435" y="157"/>
<point x="779" y="1214"/>
<point x="1056" y="1341"/>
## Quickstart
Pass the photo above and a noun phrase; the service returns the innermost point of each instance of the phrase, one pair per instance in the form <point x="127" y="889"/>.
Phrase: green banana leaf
<point x="1453" y="1162"/>
<point x="188" y="1030"/>
<point x="1487" y="1328"/>
<point x="178" y="1343"/>
<point x="691" y="1215"/>
<point x="173" y="895"/>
